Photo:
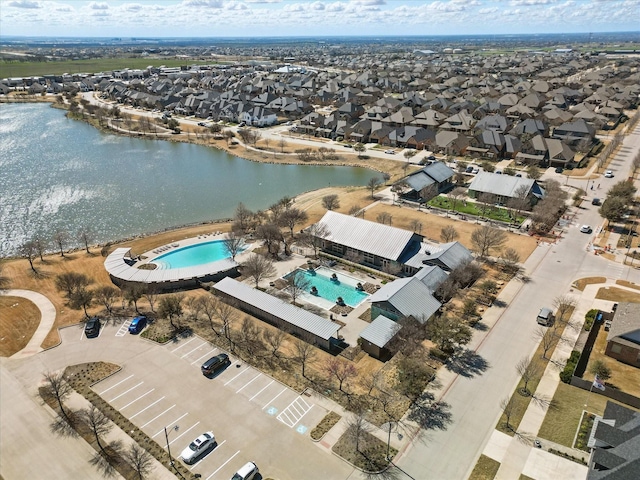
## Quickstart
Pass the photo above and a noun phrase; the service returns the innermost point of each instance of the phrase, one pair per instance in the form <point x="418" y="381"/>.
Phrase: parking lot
<point x="252" y="416"/>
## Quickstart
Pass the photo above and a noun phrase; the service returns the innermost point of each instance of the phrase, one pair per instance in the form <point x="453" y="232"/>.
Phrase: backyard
<point x="465" y="207"/>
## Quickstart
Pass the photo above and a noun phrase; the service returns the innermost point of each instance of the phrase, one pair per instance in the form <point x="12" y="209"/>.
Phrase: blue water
<point x="193" y="255"/>
<point x="330" y="290"/>
<point x="63" y="174"/>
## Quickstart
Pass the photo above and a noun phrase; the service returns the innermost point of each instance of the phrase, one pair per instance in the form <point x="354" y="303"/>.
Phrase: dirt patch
<point x="19" y="321"/>
<point x="628" y="284"/>
<point x="326" y="424"/>
<point x="583" y="282"/>
<point x="433" y="224"/>
<point x="369" y="453"/>
<point x="617" y="295"/>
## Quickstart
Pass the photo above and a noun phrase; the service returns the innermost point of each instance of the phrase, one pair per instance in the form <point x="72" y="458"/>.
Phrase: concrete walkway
<point x="47" y="319"/>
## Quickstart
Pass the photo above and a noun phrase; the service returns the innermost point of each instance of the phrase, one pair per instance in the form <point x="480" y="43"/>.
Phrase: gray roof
<point x="380" y="331"/>
<point x="366" y="236"/>
<point x="409" y="296"/>
<point x="438" y="171"/>
<point x="450" y="255"/>
<point x="116" y="266"/>
<point x="503" y="185"/>
<point x="310" y="322"/>
<point x="432" y="276"/>
<point x="626" y="324"/>
<point x="419" y="180"/>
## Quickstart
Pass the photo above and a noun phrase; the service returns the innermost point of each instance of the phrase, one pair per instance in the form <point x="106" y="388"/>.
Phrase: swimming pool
<point x="330" y="290"/>
<point x="193" y="255"/>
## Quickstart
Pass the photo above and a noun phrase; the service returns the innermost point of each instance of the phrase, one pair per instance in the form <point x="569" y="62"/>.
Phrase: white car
<point x="608" y="174"/>
<point x="247" y="472"/>
<point x="585" y="229"/>
<point x="391" y="152"/>
<point x="197" y="447"/>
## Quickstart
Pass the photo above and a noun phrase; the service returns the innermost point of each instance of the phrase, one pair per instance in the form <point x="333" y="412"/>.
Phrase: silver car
<point x="197" y="447"/>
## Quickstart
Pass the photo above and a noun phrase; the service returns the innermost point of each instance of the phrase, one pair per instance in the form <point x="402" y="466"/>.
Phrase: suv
<point x="247" y="472"/>
<point x="214" y="364"/>
<point x="545" y="316"/>
<point x="92" y="327"/>
<point x="137" y="324"/>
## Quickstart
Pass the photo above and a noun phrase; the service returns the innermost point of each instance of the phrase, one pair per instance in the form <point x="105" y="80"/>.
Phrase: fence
<point x="609" y="392"/>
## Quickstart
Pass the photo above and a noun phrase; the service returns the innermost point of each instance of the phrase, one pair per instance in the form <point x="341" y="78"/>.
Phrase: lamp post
<point x="166" y="436"/>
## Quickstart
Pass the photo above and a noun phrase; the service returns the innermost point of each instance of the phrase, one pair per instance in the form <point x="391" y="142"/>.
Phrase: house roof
<point x="310" y="322"/>
<point x="449" y="255"/>
<point x="409" y="296"/>
<point x="380" y="331"/>
<point x="626" y="324"/>
<point x="503" y="185"/>
<point x="381" y="240"/>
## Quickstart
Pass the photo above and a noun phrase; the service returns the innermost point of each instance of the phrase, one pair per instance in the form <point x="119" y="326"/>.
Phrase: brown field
<point x="617" y="295"/>
<point x="583" y="282"/>
<point x="17" y="324"/>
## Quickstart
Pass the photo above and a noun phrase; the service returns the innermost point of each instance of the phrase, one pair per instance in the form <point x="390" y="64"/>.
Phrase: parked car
<point x="347" y="145"/>
<point x="595" y="201"/>
<point x="391" y="152"/>
<point x="469" y="169"/>
<point x="498" y="172"/>
<point x="92" y="327"/>
<point x="197" y="447"/>
<point x="431" y="157"/>
<point x="586" y="229"/>
<point x="608" y="174"/>
<point x="214" y="364"/>
<point x="475" y="170"/>
<point x="202" y="124"/>
<point x="138" y="324"/>
<point x="545" y="316"/>
<point x="559" y="170"/>
<point x="247" y="472"/>
<point x="518" y="175"/>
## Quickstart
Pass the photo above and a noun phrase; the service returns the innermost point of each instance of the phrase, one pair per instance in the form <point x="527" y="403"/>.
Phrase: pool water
<point x="193" y="255"/>
<point x="330" y="290"/>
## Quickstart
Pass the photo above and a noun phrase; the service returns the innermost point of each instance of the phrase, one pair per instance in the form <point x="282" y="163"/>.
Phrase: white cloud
<point x="98" y="6"/>
<point x="317" y="6"/>
<point x="369" y="3"/>
<point x="203" y="3"/>
<point x="236" y="6"/>
<point x="518" y="3"/>
<point x="132" y="7"/>
<point x="24" y="4"/>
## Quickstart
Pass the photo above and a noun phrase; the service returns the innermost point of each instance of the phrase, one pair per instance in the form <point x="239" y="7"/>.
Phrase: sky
<point x="272" y="18"/>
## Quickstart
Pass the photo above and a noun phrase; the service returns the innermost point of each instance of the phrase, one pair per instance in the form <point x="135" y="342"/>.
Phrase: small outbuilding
<point x="377" y="335"/>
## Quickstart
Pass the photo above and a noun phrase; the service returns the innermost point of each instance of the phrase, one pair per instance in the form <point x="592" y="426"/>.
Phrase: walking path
<point x="47" y="319"/>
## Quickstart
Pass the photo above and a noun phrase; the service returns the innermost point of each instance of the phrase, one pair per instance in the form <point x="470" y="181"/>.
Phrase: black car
<point x="559" y="170"/>
<point x="92" y="327"/>
<point x="214" y="364"/>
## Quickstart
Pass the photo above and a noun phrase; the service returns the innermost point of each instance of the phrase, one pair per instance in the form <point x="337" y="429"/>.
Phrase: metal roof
<point x="118" y="268"/>
<point x="410" y="297"/>
<point x="503" y="185"/>
<point x="449" y="254"/>
<point x="366" y="236"/>
<point x="380" y="331"/>
<point x="432" y="276"/>
<point x="419" y="180"/>
<point x="299" y="317"/>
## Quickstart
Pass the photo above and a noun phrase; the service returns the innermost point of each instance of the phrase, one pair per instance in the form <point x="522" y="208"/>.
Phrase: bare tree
<point x="448" y="332"/>
<point x="563" y="305"/>
<point x="455" y="195"/>
<point x="486" y="202"/>
<point x="313" y="237"/>
<point x="272" y="237"/>
<point x="296" y="284"/>
<point x="384" y="218"/>
<point x="227" y="314"/>
<point x="448" y="234"/>
<point x="57" y="386"/>
<point x="258" y="267"/>
<point x="330" y="202"/>
<point x="60" y="238"/>
<point x="85" y="235"/>
<point x="251" y="337"/>
<point x="355" y="210"/>
<point x="528" y="369"/>
<point x="28" y="251"/>
<point x="548" y="339"/>
<point x="82" y="298"/>
<point x="274" y="338"/>
<point x="40" y="245"/>
<point x="133" y="293"/>
<point x="233" y="243"/>
<point x="139" y="459"/>
<point x="340" y="369"/>
<point x="304" y="353"/>
<point x="243" y="217"/>
<point x="508" y="406"/>
<point x="282" y="143"/>
<point x="371" y="380"/>
<point x="486" y="238"/>
<point x="151" y="293"/>
<point x="106" y="295"/>
<point x="209" y="306"/>
<point x="373" y="183"/>
<point x="510" y="259"/>
<point x="292" y="217"/>
<point x="416" y="226"/>
<point x="71" y="282"/>
<point x="98" y="423"/>
<point x="170" y="308"/>
<point x="357" y="428"/>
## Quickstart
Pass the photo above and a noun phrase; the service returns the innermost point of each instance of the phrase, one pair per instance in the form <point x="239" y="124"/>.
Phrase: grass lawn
<point x="471" y="208"/>
<point x="18" y="324"/>
<point x="485" y="469"/>
<point x="561" y="423"/>
<point x="13" y="68"/>
<point x="583" y="282"/>
<point x="370" y="454"/>
<point x="628" y="284"/>
<point x="617" y="295"/>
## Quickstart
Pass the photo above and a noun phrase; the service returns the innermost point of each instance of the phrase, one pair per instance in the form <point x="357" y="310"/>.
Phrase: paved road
<point x="474" y="402"/>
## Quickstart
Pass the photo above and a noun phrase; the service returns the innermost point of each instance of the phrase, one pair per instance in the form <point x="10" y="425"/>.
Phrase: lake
<point x="59" y="173"/>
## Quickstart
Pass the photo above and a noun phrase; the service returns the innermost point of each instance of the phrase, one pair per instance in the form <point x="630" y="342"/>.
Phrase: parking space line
<point x="205" y="355"/>
<point x="114" y="386"/>
<point x="249" y="382"/>
<point x="134" y="401"/>
<point x="82" y="334"/>
<point x="191" y="351"/>
<point x="261" y="390"/>
<point x="171" y="423"/>
<point x="124" y="393"/>
<point x="185" y="343"/>
<point x="218" y="445"/>
<point x="122" y="331"/>
<point x="228" y="382"/>
<point x="158" y="416"/>
<point x="220" y="467"/>
<point x="294" y="412"/>
<point x="101" y="330"/>
<point x="145" y="408"/>
<point x="267" y="404"/>
<point x="184" y="433"/>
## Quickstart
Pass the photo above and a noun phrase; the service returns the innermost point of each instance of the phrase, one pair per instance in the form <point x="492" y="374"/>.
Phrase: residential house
<point x="428" y="182"/>
<point x="555" y="152"/>
<point x="505" y="188"/>
<point x="623" y="339"/>
<point x="375" y="338"/>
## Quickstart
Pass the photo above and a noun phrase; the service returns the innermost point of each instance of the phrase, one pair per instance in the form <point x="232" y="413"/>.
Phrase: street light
<point x="166" y="436"/>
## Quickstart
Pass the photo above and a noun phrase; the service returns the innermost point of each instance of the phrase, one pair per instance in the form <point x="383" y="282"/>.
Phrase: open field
<point x="17" y="328"/>
<point x="14" y="68"/>
<point x="617" y="295"/>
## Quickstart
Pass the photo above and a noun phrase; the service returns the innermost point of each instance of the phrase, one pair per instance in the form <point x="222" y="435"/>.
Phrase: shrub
<point x="569" y="368"/>
<point x="589" y="318"/>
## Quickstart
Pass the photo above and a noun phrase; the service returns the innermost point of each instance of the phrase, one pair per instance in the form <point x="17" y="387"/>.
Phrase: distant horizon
<point x="326" y="18"/>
